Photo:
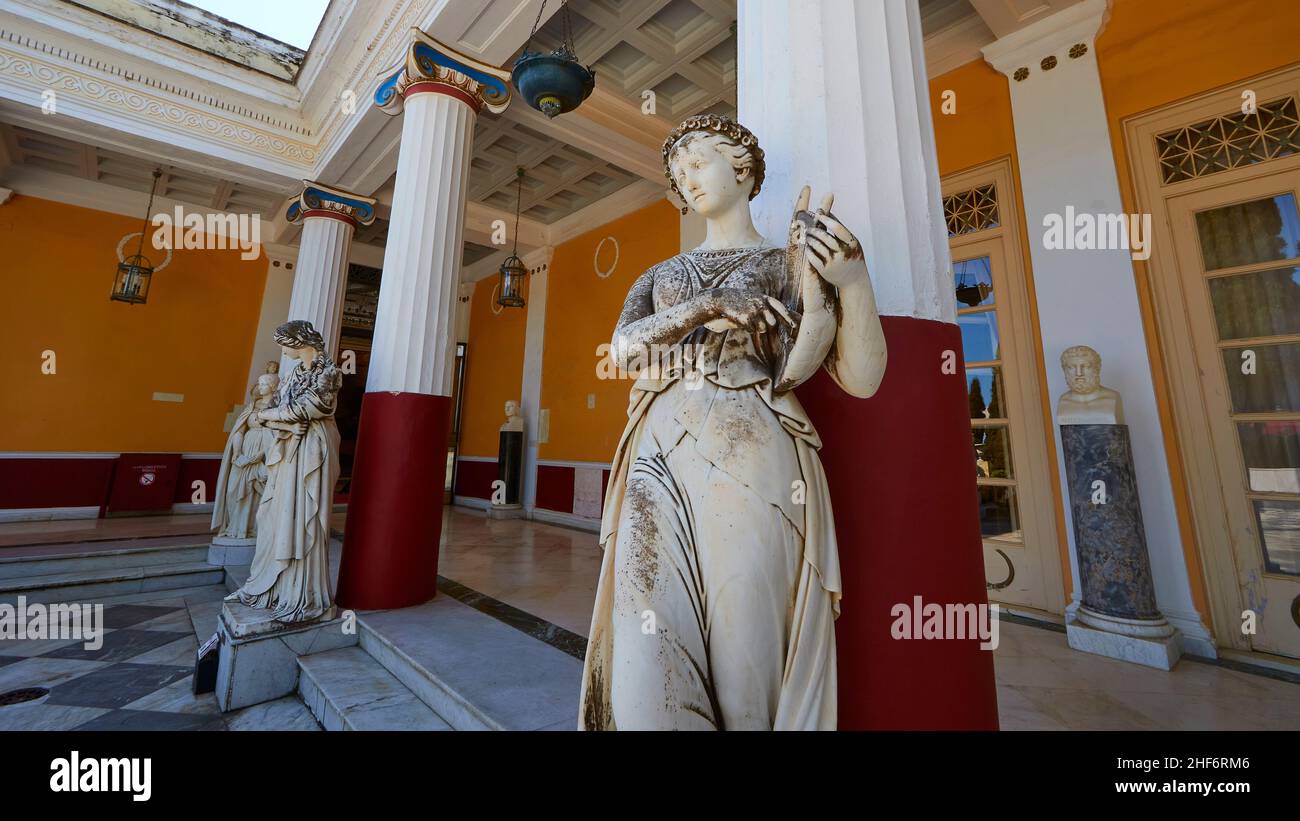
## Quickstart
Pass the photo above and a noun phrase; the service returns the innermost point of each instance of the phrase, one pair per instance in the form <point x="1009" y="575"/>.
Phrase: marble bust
<point x="1087" y="402"/>
<point x="513" y="420"/>
<point x="718" y="590"/>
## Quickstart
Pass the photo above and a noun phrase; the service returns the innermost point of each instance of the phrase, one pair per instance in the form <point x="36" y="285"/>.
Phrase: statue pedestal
<point x="258" y="656"/>
<point x="225" y="551"/>
<point x="1118" y="616"/>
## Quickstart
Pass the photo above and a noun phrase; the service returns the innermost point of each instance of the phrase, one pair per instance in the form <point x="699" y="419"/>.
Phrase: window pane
<point x="1279" y="528"/>
<point x="992" y="452"/>
<point x="979" y="336"/>
<point x="973" y="280"/>
<point x="985" y="393"/>
<point x="1271" y="451"/>
<point x="998" y="514"/>
<point x="1265" y="303"/>
<point x="1272" y="384"/>
<point x="1249" y="232"/>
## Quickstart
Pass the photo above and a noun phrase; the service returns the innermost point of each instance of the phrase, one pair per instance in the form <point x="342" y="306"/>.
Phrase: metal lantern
<point x="513" y="270"/>
<point x="132" y="283"/>
<point x="553" y="83"/>
<point x="136" y="272"/>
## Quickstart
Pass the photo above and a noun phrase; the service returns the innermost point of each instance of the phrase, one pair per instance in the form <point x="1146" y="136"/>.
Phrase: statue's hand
<point x="736" y="308"/>
<point x="834" y="253"/>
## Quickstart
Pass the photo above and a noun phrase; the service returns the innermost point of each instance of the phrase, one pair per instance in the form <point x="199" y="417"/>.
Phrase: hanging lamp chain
<point x="148" y="209"/>
<point x="519" y="198"/>
<point x="536" y="23"/>
<point x="566" y="31"/>
<point x="566" y="25"/>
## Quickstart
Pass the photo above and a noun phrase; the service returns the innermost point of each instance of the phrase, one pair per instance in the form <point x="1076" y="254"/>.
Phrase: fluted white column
<point x="415" y="336"/>
<point x="322" y="273"/>
<point x="329" y="217"/>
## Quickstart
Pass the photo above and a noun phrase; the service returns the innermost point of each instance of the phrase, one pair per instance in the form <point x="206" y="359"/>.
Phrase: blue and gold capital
<point x="318" y="200"/>
<point x="428" y="65"/>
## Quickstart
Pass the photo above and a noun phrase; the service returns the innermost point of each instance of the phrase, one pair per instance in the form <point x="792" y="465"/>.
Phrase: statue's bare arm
<point x="640" y="327"/>
<point x="857" y="359"/>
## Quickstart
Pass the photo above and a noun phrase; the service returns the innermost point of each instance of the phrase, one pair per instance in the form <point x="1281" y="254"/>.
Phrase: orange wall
<point x="581" y="312"/>
<point x="193" y="337"/>
<point x="1156" y="52"/>
<point x="981" y="129"/>
<point x="493" y="368"/>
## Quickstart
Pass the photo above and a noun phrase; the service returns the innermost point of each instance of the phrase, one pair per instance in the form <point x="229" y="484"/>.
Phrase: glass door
<point x="1238" y="250"/>
<point x="1014" y="470"/>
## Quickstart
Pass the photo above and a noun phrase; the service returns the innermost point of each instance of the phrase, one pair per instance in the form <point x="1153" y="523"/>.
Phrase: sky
<point x="290" y="21"/>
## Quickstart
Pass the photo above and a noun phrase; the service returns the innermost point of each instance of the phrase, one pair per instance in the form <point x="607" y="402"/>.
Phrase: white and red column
<point x="390" y="553"/>
<point x="329" y="217"/>
<point x="900" y="464"/>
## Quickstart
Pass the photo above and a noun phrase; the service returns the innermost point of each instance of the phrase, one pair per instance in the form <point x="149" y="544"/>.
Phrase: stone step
<point x="52" y="560"/>
<point x="118" y="581"/>
<point x="476" y="672"/>
<point x="346" y="689"/>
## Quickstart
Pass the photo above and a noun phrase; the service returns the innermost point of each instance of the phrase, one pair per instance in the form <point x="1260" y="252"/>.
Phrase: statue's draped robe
<point x="234" y="513"/>
<point x="290" y="573"/>
<point x="720" y="580"/>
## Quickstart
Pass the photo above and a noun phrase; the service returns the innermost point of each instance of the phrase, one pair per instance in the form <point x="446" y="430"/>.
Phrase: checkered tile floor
<point x="140" y="679"/>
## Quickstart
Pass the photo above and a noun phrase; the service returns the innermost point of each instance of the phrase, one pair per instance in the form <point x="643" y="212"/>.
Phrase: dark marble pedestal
<point x="510" y="471"/>
<point x="1118" y="616"/>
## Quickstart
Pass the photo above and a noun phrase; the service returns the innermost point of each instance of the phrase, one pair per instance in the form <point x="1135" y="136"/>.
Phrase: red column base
<point x="390" y="544"/>
<point x="902" y="479"/>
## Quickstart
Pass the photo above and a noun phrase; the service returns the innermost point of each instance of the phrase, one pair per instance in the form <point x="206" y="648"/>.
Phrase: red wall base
<point x="390" y="544"/>
<point x="902" y="478"/>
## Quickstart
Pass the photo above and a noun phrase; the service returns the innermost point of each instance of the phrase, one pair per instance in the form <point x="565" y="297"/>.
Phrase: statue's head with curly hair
<point x="299" y="340"/>
<point x="711" y="161"/>
<point x="299" y="333"/>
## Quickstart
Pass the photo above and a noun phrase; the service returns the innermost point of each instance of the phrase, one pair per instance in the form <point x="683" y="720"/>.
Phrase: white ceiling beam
<point x="1004" y="17"/>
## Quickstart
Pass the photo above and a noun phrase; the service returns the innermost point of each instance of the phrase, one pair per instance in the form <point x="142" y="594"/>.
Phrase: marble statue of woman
<point x="242" y="478"/>
<point x="290" y="573"/>
<point x="720" y="581"/>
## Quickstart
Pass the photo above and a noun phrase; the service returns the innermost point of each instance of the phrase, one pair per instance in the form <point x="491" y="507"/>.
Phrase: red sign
<point x="144" y="482"/>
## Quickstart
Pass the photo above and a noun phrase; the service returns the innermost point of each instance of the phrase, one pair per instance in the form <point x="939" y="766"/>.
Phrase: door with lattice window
<point x="1008" y="437"/>
<point x="1238" y="249"/>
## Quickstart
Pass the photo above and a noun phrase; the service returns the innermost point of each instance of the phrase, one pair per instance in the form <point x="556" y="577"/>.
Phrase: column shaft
<point x="395" y="512"/>
<point x="414" y="347"/>
<point x="320" y="276"/>
<point x="847" y="112"/>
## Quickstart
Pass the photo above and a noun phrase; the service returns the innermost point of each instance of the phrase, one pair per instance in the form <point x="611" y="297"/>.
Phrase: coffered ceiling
<point x="678" y="55"/>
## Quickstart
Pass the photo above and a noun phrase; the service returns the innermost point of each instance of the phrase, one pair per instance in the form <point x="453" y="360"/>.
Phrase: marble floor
<point x="139" y="679"/>
<point x="521" y="572"/>
<point x="551" y="573"/>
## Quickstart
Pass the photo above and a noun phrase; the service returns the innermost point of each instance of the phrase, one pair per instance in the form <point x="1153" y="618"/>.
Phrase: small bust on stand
<point x="1116" y="613"/>
<point x="1087" y="402"/>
